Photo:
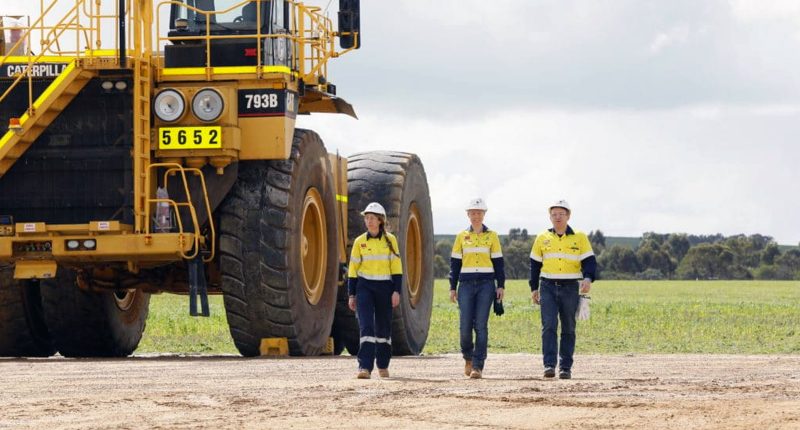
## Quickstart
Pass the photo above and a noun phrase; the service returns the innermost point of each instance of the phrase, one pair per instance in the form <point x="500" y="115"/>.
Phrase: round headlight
<point x="169" y="105"/>
<point x="73" y="244"/>
<point x="89" y="243"/>
<point x="207" y="105"/>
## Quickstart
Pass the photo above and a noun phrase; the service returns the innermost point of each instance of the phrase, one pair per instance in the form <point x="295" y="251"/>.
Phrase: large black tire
<point x="23" y="332"/>
<point x="93" y="324"/>
<point x="278" y="250"/>
<point x="397" y="181"/>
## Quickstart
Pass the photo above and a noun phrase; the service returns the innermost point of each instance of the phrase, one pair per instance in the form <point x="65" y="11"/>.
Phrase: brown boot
<point x="467" y="367"/>
<point x="476" y="374"/>
<point x="363" y="374"/>
<point x="384" y="373"/>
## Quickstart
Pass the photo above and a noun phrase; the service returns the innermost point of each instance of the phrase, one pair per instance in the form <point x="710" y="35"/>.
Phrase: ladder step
<point x="16" y="152"/>
<point x="5" y="164"/>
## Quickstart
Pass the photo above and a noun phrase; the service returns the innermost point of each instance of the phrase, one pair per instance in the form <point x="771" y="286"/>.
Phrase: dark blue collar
<point x="380" y="235"/>
<point x="569" y="230"/>
<point x="485" y="229"/>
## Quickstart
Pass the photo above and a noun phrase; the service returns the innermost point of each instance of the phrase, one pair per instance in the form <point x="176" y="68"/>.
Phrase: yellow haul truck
<point x="145" y="158"/>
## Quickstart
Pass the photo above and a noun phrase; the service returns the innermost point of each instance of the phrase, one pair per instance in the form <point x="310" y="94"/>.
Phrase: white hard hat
<point x="560" y="204"/>
<point x="477" y="204"/>
<point x="374" y="208"/>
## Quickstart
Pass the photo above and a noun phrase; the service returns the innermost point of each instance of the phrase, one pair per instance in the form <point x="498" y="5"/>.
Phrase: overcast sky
<point x="666" y="116"/>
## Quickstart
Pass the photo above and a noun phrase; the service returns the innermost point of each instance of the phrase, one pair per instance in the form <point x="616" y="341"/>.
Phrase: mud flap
<point x="198" y="287"/>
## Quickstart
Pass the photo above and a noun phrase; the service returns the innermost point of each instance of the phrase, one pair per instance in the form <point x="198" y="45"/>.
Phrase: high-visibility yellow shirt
<point x="476" y="250"/>
<point x="477" y="256"/>
<point x="372" y="259"/>
<point x="561" y="256"/>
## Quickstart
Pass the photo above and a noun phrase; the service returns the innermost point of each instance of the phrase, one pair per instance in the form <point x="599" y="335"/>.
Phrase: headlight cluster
<point x="81" y="245"/>
<point x="169" y="105"/>
<point x="207" y="105"/>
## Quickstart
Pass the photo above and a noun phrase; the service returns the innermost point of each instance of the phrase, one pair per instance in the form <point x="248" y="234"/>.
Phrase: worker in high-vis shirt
<point x="562" y="265"/>
<point x="375" y="278"/>
<point x="476" y="263"/>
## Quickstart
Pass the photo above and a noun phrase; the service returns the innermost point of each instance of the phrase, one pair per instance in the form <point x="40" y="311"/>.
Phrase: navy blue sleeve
<point x="351" y="286"/>
<point x="397" y="283"/>
<point x="499" y="266"/>
<point x="455" y="271"/>
<point x="536" y="269"/>
<point x="589" y="267"/>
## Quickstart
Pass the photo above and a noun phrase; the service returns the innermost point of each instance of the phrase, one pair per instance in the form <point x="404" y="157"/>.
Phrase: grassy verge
<point x="171" y="329"/>
<point x="732" y="317"/>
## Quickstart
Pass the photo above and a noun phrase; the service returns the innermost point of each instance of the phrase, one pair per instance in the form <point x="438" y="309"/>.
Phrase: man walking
<point x="562" y="263"/>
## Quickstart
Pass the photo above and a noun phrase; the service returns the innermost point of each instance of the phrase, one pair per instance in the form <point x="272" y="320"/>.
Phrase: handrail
<point x="311" y="43"/>
<point x="50" y="40"/>
<point x="171" y="169"/>
<point x="197" y="172"/>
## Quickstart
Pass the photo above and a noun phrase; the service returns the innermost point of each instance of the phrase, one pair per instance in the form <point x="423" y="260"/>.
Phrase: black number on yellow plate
<point x="190" y="138"/>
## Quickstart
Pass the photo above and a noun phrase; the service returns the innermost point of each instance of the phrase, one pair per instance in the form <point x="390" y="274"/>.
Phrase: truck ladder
<point x="142" y="86"/>
<point x="141" y="135"/>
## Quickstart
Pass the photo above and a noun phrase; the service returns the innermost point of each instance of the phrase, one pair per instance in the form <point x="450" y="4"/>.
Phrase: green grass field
<point x="731" y="317"/>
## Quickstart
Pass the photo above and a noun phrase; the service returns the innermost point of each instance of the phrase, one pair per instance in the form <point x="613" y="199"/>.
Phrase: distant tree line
<point x="659" y="256"/>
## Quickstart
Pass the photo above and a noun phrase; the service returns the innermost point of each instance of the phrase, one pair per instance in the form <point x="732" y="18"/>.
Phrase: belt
<point x="477" y="280"/>
<point x="561" y="282"/>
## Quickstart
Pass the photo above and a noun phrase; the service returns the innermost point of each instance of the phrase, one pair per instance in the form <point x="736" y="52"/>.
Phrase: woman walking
<point x="375" y="278"/>
<point x="475" y="265"/>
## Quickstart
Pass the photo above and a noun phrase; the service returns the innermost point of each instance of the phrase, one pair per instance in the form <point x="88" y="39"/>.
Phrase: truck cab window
<point x="225" y="15"/>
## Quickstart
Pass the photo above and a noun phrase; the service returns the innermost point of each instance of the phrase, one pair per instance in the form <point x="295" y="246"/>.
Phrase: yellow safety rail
<point x="83" y="18"/>
<point x="171" y="169"/>
<point x="311" y="41"/>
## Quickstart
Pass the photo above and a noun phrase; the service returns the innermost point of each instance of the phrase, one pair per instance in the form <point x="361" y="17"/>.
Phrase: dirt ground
<point x="630" y="391"/>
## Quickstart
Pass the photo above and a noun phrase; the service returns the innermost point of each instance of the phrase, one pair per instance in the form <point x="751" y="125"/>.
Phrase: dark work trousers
<point x="559" y="300"/>
<point x="374" y="312"/>
<point x="475" y="299"/>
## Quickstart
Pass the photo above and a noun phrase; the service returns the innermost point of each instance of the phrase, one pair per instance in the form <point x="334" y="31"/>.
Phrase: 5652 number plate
<point x="190" y="138"/>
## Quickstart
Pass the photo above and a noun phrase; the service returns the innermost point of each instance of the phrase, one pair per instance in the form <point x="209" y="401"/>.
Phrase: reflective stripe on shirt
<point x="476" y="250"/>
<point x="477" y="270"/>
<point x="374" y="277"/>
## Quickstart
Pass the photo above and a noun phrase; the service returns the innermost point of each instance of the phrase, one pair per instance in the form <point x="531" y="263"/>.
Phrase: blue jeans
<point x="474" y="302"/>
<point x="374" y="312"/>
<point x="559" y="300"/>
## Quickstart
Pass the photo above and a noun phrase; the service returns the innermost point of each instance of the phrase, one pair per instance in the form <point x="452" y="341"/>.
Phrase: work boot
<point x="467" y="367"/>
<point x="476" y="374"/>
<point x="363" y="374"/>
<point x="564" y="374"/>
<point x="384" y="373"/>
<point x="549" y="372"/>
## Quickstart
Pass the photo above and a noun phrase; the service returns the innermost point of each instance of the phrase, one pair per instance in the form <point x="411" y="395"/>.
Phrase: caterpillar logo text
<point x="37" y="70"/>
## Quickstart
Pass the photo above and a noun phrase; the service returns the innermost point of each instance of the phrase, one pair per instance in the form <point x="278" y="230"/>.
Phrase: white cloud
<point x="675" y="36"/>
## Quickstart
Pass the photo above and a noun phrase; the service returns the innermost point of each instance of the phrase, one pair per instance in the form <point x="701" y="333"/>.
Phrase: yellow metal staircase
<point x="43" y="112"/>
